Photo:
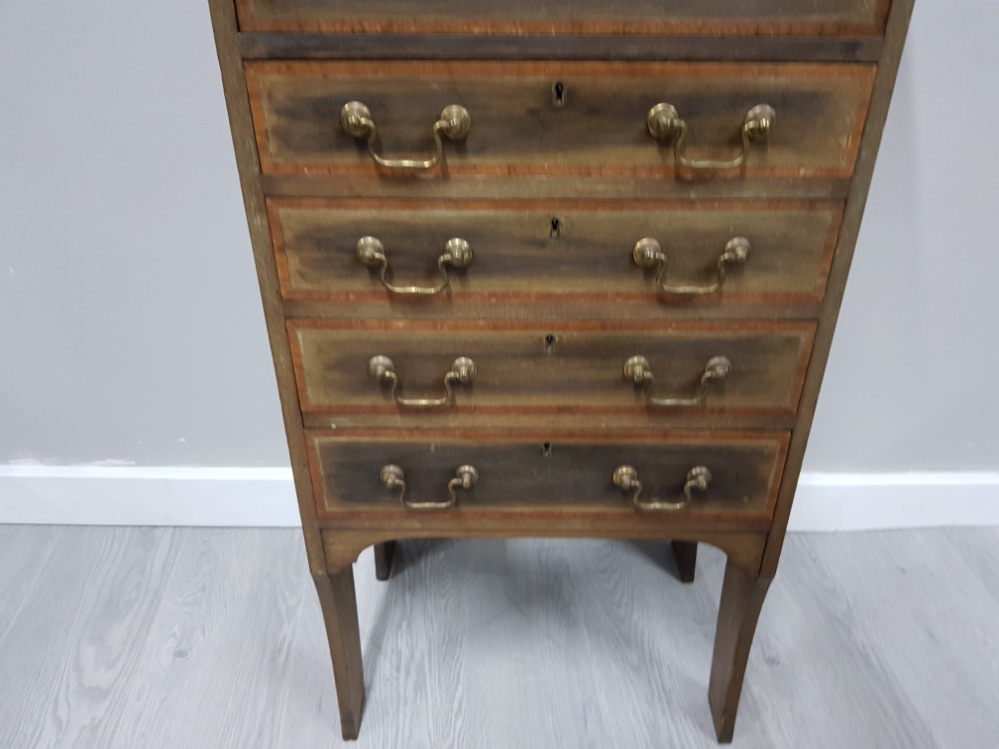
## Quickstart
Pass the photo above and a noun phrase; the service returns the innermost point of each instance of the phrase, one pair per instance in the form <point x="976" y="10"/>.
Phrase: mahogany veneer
<point x="558" y="325"/>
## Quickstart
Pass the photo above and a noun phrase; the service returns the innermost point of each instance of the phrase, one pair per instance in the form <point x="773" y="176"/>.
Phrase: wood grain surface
<point x="641" y="17"/>
<point x="590" y="144"/>
<point x="554" y="251"/>
<point x="213" y="639"/>
<point x="527" y="372"/>
<point x="223" y="15"/>
<point x="565" y="473"/>
<point x="599" y="132"/>
<point x="655" y="186"/>
<point x="897" y="28"/>
<point x="465" y="46"/>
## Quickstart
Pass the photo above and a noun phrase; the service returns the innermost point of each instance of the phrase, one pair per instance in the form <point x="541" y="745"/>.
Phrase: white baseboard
<point x="870" y="501"/>
<point x="265" y="497"/>
<point x="128" y="495"/>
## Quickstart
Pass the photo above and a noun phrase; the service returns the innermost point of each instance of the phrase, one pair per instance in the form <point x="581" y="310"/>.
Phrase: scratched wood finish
<point x="305" y="46"/>
<point x="348" y="532"/>
<point x="897" y="28"/>
<point x="822" y="148"/>
<point x="600" y="131"/>
<point x="567" y="472"/>
<point x="554" y="187"/>
<point x="560" y="17"/>
<point x="528" y="252"/>
<point x="338" y="598"/>
<point x="212" y="637"/>
<point x="742" y="599"/>
<point x="223" y="15"/>
<point x="530" y="373"/>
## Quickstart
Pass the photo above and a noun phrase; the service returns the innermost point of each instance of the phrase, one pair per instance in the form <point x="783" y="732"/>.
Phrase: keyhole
<point x="558" y="94"/>
<point x="546" y="449"/>
<point x="550" y="343"/>
<point x="556" y="228"/>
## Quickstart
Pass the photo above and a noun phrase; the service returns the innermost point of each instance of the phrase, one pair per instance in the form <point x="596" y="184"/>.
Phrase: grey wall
<point x="130" y="326"/>
<point x="130" y="321"/>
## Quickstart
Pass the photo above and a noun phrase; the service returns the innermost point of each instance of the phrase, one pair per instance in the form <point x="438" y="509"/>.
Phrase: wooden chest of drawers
<point x="543" y="268"/>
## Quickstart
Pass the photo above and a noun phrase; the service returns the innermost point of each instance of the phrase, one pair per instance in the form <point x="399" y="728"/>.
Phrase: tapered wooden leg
<point x="339" y="604"/>
<point x="741" y="601"/>
<point x="383" y="559"/>
<point x="685" y="554"/>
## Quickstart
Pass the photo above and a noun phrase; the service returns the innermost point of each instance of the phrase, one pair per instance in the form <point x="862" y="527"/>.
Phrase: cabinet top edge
<point x="729" y="18"/>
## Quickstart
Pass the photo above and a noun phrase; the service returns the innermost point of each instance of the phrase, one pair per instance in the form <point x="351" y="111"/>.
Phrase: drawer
<point x="700" y="17"/>
<point x="563" y="473"/>
<point x="559" y="119"/>
<point x="561" y="252"/>
<point x="694" y="373"/>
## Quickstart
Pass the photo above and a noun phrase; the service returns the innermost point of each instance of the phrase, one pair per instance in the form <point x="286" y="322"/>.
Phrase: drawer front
<point x="559" y="252"/>
<point x="701" y="17"/>
<point x="597" y="128"/>
<point x="560" y="472"/>
<point x="574" y="372"/>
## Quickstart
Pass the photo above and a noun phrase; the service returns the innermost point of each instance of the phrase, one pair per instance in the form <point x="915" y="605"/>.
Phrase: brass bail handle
<point x="639" y="371"/>
<point x="454" y="123"/>
<point x="648" y="255"/>
<point x="457" y="254"/>
<point x="462" y="371"/>
<point x="664" y="123"/>
<point x="465" y="477"/>
<point x="626" y="478"/>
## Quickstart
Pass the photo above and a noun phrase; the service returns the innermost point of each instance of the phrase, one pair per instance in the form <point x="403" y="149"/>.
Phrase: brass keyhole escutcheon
<point x="555" y="230"/>
<point x="558" y="94"/>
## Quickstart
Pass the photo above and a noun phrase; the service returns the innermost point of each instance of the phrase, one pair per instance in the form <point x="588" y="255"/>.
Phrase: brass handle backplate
<point x="462" y="371"/>
<point x="664" y="123"/>
<point x="626" y="478"/>
<point x="393" y="477"/>
<point x="648" y="255"/>
<point x="457" y="254"/>
<point x="454" y="124"/>
<point x="639" y="371"/>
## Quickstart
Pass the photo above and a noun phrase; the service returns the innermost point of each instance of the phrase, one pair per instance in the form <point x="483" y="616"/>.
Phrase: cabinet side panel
<point x="234" y="84"/>
<point x="884" y="84"/>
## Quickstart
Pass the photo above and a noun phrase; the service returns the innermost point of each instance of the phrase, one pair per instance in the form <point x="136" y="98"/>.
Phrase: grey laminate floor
<point x="191" y="638"/>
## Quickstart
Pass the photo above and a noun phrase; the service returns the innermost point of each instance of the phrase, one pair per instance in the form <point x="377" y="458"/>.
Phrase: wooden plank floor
<point x="208" y="638"/>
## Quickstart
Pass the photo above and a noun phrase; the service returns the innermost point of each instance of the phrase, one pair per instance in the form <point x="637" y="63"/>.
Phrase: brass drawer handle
<point x="462" y="371"/>
<point x="395" y="478"/>
<point x="457" y="253"/>
<point x="648" y="254"/>
<point x="454" y="124"/>
<point x="664" y="124"/>
<point x="638" y="370"/>
<point x="626" y="478"/>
